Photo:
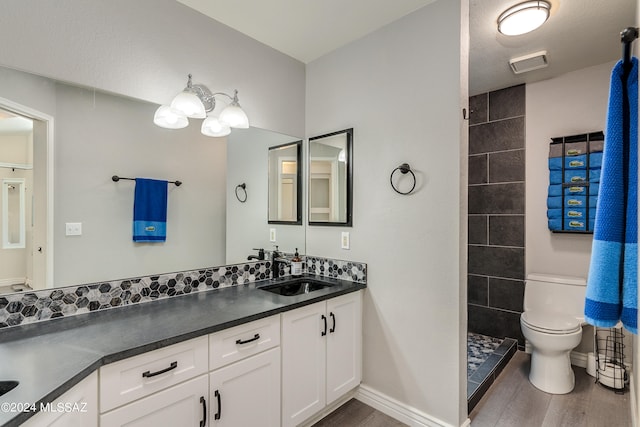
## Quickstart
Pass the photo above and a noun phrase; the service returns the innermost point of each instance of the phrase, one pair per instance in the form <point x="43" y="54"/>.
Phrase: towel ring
<point x="404" y="169"/>
<point x="243" y="187"/>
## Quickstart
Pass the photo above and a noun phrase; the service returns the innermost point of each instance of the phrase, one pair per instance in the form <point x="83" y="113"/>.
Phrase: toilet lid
<point x="551" y="323"/>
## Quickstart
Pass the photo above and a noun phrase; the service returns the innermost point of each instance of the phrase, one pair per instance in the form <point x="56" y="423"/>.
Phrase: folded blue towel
<point x="576" y="162"/>
<point x="612" y="287"/>
<point x="555" y="176"/>
<point x="150" y="211"/>
<point x="555" y="202"/>
<point x="571" y="213"/>
<point x="574" y="190"/>
<point x="555" y="224"/>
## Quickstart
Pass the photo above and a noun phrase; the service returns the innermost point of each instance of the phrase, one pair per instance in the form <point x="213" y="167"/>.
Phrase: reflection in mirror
<point x="13" y="214"/>
<point x="99" y="135"/>
<point x="248" y="228"/>
<point x="330" y="179"/>
<point x="16" y="175"/>
<point x="285" y="184"/>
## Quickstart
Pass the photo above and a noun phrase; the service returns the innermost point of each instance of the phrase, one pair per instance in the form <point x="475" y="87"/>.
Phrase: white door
<point x="303" y="363"/>
<point x="247" y="393"/>
<point x="344" y="344"/>
<point x="181" y="405"/>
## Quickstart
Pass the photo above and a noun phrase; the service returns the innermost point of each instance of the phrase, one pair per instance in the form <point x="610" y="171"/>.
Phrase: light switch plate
<point x="345" y="241"/>
<point x="73" y="228"/>
<point x="272" y="234"/>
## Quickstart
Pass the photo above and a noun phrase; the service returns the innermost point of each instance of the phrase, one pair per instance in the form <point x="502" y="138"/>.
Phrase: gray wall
<point x="402" y="89"/>
<point x="146" y="48"/>
<point x="247" y="226"/>
<point x="495" y="286"/>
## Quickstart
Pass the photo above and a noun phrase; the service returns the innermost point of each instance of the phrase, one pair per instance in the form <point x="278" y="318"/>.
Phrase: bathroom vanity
<point x="222" y="357"/>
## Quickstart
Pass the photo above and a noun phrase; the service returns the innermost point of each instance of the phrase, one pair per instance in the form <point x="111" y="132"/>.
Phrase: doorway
<point x="26" y="201"/>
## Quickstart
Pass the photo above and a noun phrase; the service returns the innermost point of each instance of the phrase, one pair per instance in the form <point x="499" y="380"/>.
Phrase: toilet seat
<point x="550" y="323"/>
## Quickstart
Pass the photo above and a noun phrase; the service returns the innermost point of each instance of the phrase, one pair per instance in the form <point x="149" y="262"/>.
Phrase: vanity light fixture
<point x="195" y="102"/>
<point x="523" y="17"/>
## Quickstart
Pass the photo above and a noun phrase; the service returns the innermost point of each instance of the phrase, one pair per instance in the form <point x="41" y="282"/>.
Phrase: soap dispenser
<point x="296" y="264"/>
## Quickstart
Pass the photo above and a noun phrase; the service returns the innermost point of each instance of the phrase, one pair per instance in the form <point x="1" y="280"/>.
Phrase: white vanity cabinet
<point x="244" y="387"/>
<point x="321" y="355"/>
<point x="77" y="407"/>
<point x="168" y="386"/>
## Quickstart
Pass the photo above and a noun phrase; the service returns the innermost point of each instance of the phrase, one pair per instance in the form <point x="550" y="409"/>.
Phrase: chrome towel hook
<point x="404" y="169"/>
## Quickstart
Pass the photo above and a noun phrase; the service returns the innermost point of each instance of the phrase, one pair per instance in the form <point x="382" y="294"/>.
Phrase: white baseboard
<point x="12" y="281"/>
<point x="398" y="410"/>
<point x="579" y="359"/>
<point x="329" y="409"/>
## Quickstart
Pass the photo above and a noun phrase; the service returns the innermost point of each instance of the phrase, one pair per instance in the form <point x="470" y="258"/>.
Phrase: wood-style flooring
<point x="356" y="414"/>
<point x="513" y="401"/>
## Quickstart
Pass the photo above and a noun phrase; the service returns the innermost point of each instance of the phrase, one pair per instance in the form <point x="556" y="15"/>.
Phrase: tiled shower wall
<point x="495" y="286"/>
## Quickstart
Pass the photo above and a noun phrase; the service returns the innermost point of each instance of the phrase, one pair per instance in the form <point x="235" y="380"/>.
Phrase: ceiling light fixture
<point x="523" y="18"/>
<point x="195" y="102"/>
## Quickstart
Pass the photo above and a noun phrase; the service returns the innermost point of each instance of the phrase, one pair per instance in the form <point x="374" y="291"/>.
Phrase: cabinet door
<point x="78" y="407"/>
<point x="247" y="393"/>
<point x="180" y="405"/>
<point x="303" y="363"/>
<point x="344" y="344"/>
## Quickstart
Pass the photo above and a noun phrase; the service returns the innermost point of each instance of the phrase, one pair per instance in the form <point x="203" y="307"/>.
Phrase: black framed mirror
<point x="330" y="179"/>
<point x="285" y="184"/>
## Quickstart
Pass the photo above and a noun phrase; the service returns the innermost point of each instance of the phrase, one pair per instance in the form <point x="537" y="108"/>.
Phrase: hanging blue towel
<point x="150" y="211"/>
<point x="612" y="287"/>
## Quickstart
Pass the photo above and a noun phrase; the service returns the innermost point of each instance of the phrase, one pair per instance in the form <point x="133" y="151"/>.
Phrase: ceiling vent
<point x="533" y="61"/>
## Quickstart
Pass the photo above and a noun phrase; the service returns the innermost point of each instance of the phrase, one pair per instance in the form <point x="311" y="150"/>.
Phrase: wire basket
<point x="611" y="370"/>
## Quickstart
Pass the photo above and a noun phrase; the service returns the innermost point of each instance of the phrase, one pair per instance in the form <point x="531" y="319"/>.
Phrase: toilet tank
<point x="561" y="294"/>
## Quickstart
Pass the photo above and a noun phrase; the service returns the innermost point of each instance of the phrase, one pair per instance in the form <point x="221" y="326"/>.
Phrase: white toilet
<point x="552" y="324"/>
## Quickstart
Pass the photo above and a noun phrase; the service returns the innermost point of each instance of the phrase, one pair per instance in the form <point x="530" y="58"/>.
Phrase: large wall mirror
<point x="330" y="179"/>
<point x="98" y="135"/>
<point x="285" y="184"/>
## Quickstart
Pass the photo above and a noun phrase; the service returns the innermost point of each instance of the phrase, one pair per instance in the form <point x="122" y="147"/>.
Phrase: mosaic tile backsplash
<point x="28" y="307"/>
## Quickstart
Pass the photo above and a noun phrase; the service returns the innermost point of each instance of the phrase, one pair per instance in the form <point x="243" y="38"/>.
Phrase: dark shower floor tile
<point x="486" y="357"/>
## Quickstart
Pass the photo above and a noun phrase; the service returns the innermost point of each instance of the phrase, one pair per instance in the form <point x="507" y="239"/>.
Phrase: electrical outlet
<point x="272" y="234"/>
<point x="73" y="228"/>
<point x="344" y="241"/>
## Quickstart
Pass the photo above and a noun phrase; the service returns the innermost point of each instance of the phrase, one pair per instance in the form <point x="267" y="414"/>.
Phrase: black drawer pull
<point x="150" y="374"/>
<point x="333" y="328"/>
<point x="255" y="338"/>
<point x="324" y="318"/>
<point x="219" y="413"/>
<point x="203" y="422"/>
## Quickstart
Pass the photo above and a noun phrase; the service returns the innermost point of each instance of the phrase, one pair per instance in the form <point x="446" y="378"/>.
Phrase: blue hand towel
<point x="150" y="211"/>
<point x="612" y="288"/>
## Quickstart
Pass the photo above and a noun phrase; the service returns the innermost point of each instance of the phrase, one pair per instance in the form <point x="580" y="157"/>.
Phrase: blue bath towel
<point x="150" y="211"/>
<point x="612" y="288"/>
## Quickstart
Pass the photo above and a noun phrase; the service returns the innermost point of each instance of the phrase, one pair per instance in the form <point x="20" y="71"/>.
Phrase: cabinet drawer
<point x="130" y="379"/>
<point x="182" y="405"/>
<point x="236" y="343"/>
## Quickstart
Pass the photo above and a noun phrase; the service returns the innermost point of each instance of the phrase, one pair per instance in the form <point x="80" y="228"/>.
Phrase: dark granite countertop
<point x="49" y="358"/>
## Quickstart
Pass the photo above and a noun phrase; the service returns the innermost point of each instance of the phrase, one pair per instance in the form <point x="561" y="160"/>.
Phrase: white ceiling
<point x="12" y="124"/>
<point x="306" y="29"/>
<point x="579" y="33"/>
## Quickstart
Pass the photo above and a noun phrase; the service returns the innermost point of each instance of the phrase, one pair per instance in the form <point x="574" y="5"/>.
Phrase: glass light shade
<point x="234" y="116"/>
<point x="523" y="18"/>
<point x="211" y="126"/>
<point x="166" y="118"/>
<point x="188" y="104"/>
<point x="342" y="156"/>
